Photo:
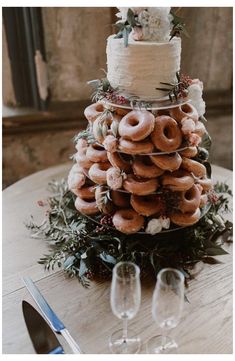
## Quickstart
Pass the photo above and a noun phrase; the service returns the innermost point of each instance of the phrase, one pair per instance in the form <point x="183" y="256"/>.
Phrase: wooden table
<point x="206" y="325"/>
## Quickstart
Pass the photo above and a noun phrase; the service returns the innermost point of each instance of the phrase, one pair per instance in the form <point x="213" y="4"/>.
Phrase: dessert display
<point x="142" y="160"/>
<point x="140" y="188"/>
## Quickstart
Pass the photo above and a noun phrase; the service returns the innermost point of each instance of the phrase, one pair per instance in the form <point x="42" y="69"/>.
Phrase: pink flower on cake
<point x="110" y="143"/>
<point x="194" y="139"/>
<point x="114" y="178"/>
<point x="137" y="33"/>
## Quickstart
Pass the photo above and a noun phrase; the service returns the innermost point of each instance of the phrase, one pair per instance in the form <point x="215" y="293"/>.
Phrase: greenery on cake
<point x="85" y="248"/>
<point x="149" y="23"/>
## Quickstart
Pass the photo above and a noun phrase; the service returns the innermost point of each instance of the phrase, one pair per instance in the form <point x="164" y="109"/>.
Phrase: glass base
<point x="161" y="344"/>
<point x="128" y="346"/>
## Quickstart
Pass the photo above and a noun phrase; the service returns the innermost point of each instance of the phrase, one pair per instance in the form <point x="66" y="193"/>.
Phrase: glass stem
<point x="124" y="332"/>
<point x="164" y="335"/>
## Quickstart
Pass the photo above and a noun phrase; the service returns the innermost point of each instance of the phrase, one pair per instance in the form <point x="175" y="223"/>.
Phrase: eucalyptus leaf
<point x="82" y="268"/>
<point x="107" y="258"/>
<point x="216" y="251"/>
<point x="206" y="141"/>
<point x="131" y="18"/>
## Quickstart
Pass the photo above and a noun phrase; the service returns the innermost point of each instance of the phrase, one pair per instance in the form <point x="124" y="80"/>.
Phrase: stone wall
<point x="75" y="41"/>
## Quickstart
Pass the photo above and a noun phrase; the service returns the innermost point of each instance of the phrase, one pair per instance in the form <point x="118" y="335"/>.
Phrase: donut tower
<point x="140" y="165"/>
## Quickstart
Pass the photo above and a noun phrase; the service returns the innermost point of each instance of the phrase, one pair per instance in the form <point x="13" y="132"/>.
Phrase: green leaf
<point x="206" y="141"/>
<point x="107" y="258"/>
<point x="119" y="35"/>
<point x="216" y="251"/>
<point x="210" y="260"/>
<point x="82" y="268"/>
<point x="125" y="36"/>
<point x="131" y="18"/>
<point x="69" y="262"/>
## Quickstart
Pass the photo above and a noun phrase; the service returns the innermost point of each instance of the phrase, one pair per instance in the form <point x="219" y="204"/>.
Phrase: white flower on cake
<point x="156" y="225"/>
<point x="195" y="94"/>
<point x="122" y="13"/>
<point x="156" y="23"/>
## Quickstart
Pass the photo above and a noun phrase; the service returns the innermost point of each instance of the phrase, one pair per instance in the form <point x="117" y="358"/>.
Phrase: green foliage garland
<point x="84" y="249"/>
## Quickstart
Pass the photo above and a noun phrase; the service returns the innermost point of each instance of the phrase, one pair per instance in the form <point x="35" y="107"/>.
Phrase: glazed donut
<point x="206" y="184"/>
<point x="128" y="221"/>
<point x="190" y="200"/>
<point x="96" y="153"/>
<point x="120" y="199"/>
<point x="189" y="152"/>
<point x="179" y="180"/>
<point x="182" y="111"/>
<point x="88" y="207"/>
<point x="103" y="202"/>
<point x="166" y="135"/>
<point x="203" y="200"/>
<point x="93" y="111"/>
<point x="129" y="147"/>
<point x="118" y="160"/>
<point x="140" y="186"/>
<point x="185" y="219"/>
<point x="136" y="125"/>
<point x="200" y="129"/>
<point x="192" y="166"/>
<point x="147" y="205"/>
<point x="97" y="172"/>
<point x="170" y="162"/>
<point x="81" y="158"/>
<point x="86" y="192"/>
<point x="121" y="111"/>
<point x="143" y="167"/>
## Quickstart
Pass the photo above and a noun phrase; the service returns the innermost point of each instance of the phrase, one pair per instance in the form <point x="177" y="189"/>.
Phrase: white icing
<point x="139" y="68"/>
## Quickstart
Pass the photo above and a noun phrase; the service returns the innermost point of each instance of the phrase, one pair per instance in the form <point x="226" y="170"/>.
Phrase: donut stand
<point x="142" y="169"/>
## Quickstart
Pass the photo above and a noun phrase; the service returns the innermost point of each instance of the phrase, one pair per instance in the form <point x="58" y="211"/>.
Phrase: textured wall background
<point x="75" y="40"/>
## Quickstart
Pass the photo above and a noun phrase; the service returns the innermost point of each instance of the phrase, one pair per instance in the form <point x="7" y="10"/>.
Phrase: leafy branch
<point x="178" y="26"/>
<point x="124" y="28"/>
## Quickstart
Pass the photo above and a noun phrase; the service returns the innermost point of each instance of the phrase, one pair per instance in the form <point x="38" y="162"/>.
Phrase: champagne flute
<point x="125" y="302"/>
<point x="167" y="307"/>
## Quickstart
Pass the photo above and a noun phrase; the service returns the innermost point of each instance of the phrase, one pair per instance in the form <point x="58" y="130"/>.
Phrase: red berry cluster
<point x="213" y="197"/>
<point x="185" y="81"/>
<point x="107" y="220"/>
<point x="90" y="275"/>
<point x="118" y="99"/>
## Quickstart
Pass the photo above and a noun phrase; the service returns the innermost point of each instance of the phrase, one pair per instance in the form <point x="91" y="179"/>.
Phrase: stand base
<point x="130" y="345"/>
<point x="162" y="344"/>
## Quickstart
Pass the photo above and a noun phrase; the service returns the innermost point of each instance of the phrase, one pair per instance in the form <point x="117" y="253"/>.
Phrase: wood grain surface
<point x="206" y="325"/>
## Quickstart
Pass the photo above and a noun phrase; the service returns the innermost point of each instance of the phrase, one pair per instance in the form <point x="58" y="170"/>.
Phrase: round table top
<point x="206" y="325"/>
